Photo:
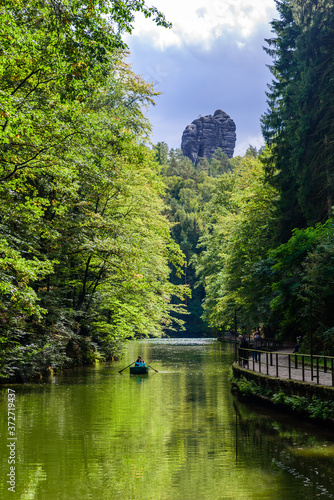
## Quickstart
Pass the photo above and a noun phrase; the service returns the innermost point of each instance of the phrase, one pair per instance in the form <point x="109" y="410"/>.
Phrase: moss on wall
<point x="306" y="400"/>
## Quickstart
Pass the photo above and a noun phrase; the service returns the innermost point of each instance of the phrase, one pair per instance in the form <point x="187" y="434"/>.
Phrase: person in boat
<point x="140" y="361"/>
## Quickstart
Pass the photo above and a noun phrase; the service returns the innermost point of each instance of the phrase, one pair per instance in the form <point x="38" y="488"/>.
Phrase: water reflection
<point x="179" y="433"/>
<point x="303" y="459"/>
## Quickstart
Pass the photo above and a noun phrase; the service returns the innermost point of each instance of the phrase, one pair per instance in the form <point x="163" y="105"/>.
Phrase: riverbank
<point x="308" y="401"/>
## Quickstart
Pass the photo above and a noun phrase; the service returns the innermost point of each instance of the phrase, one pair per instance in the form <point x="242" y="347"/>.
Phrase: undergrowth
<point x="314" y="407"/>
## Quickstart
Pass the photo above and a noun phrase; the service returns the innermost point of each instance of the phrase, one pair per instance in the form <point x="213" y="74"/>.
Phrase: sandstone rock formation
<point x="204" y="135"/>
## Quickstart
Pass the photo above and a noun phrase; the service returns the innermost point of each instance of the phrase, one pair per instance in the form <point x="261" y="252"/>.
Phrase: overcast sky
<point x="211" y="59"/>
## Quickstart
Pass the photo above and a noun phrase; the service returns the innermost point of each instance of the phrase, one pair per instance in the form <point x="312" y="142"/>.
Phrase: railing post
<point x="303" y="368"/>
<point x="296" y="362"/>
<point x="289" y="364"/>
<point x="317" y="370"/>
<point x="277" y="365"/>
<point x="267" y="362"/>
<point x="258" y="353"/>
<point x="325" y="364"/>
<point x="271" y="359"/>
<point x="311" y="367"/>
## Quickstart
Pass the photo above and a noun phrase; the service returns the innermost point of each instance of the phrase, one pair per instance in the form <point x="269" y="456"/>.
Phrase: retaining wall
<point x="290" y="387"/>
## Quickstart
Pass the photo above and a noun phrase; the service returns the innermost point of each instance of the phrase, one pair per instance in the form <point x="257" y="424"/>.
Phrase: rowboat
<point x="138" y="370"/>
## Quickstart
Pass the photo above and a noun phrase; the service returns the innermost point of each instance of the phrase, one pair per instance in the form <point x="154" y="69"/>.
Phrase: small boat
<point x="138" y="370"/>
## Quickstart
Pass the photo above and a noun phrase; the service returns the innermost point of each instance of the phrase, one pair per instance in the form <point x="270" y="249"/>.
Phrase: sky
<point x="212" y="58"/>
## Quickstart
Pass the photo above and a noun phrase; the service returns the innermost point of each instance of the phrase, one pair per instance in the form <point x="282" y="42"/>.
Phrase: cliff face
<point x="203" y="136"/>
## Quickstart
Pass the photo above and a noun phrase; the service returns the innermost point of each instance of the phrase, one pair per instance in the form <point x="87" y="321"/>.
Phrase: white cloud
<point x="211" y="59"/>
<point x="200" y="22"/>
<point x="246" y="140"/>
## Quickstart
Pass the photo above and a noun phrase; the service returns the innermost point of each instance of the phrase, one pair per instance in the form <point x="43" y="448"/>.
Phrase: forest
<point x="106" y="237"/>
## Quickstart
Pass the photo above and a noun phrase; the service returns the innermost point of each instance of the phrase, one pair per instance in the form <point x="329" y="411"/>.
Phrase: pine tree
<point x="299" y="122"/>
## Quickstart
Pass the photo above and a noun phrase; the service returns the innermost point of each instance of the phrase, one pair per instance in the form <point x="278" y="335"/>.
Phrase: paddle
<point x="126" y="367"/>
<point x="152" y="368"/>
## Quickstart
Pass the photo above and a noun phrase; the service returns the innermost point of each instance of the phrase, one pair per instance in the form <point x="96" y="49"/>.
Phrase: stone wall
<point x="289" y="386"/>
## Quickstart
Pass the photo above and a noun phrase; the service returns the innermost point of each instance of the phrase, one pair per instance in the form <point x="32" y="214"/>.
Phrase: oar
<point x="152" y="368"/>
<point x="126" y="367"/>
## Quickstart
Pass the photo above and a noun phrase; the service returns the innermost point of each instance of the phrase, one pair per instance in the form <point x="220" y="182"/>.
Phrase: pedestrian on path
<point x="298" y="343"/>
<point x="257" y="345"/>
<point x="243" y="354"/>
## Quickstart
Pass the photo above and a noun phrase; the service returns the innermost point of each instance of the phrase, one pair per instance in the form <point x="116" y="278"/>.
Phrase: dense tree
<point x="264" y="246"/>
<point x="303" y="297"/>
<point x="84" y="245"/>
<point x="215" y="166"/>
<point x="233" y="265"/>
<point x="161" y="152"/>
<point x="299" y="121"/>
<point x="54" y="54"/>
<point x="188" y="189"/>
<point x="298" y="126"/>
<point x="102" y="238"/>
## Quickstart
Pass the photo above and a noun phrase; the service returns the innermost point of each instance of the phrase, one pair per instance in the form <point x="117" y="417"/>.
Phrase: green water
<point x="177" y="434"/>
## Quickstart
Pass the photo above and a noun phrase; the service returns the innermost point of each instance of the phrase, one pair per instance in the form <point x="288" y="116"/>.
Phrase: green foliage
<point x="303" y="295"/>
<point x="249" y="387"/>
<point x="233" y="266"/>
<point x="288" y="302"/>
<point x="266" y="252"/>
<point x="84" y="247"/>
<point x="314" y="408"/>
<point x="161" y="151"/>
<point x="54" y="54"/>
<point x="188" y="189"/>
<point x="90" y="254"/>
<point x="215" y="166"/>
<point x="299" y="121"/>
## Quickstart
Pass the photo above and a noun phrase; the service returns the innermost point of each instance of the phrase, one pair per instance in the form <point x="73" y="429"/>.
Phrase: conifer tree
<point x="299" y="122"/>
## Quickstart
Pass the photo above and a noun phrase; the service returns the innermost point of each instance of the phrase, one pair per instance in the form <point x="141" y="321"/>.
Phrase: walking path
<point x="280" y="368"/>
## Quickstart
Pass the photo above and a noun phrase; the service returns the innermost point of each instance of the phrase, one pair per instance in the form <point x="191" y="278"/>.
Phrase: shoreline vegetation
<point x="310" y="402"/>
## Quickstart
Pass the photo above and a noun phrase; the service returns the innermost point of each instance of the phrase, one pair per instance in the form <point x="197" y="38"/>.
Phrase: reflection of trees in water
<point x="179" y="433"/>
<point x="293" y="453"/>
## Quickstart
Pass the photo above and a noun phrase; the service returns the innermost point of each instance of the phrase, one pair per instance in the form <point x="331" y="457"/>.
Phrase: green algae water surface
<point x="177" y="434"/>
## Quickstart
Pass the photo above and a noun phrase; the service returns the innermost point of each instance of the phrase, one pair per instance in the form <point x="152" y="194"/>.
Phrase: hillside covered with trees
<point x="85" y="246"/>
<point x="267" y="252"/>
<point x="103" y="236"/>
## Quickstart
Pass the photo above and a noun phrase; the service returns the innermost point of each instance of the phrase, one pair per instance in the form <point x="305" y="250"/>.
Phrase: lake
<point x="94" y="433"/>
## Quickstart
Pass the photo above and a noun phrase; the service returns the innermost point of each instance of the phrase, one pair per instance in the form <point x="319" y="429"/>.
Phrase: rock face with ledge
<point x="204" y="135"/>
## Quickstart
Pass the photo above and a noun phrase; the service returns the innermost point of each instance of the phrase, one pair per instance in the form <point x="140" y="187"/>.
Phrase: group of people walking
<point x="246" y="350"/>
<point x="244" y="346"/>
